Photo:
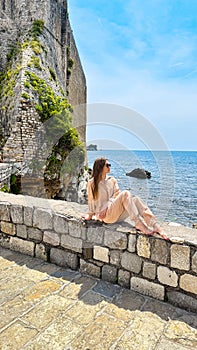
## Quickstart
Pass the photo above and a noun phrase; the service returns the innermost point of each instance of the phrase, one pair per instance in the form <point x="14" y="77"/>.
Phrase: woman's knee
<point x="126" y="194"/>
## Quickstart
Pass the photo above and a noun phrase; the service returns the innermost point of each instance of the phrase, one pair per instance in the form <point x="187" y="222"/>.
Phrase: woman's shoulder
<point x="111" y="178"/>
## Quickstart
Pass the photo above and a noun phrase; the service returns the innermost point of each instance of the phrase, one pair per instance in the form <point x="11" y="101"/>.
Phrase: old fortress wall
<point x="53" y="58"/>
<point x="19" y="118"/>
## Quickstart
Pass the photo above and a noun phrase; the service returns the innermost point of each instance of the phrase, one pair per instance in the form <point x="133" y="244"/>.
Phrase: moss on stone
<point x="25" y="95"/>
<point x="37" y="28"/>
<point x="54" y="109"/>
<point x="35" y="62"/>
<point x="49" y="104"/>
<point x="53" y="75"/>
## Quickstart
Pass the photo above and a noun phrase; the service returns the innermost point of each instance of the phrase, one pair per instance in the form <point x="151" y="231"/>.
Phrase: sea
<point x="171" y="192"/>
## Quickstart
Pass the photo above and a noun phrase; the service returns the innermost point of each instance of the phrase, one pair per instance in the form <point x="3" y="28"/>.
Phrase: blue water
<point x="171" y="192"/>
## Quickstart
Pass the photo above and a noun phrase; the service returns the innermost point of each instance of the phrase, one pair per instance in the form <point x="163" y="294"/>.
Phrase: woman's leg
<point x="147" y="215"/>
<point x="125" y="201"/>
<point x="144" y="211"/>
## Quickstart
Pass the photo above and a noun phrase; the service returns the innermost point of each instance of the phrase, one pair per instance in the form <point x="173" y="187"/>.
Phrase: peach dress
<point x="120" y="205"/>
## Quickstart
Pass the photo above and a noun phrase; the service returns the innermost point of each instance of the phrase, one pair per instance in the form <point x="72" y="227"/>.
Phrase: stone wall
<point x="52" y="57"/>
<point x="53" y="231"/>
<point x="5" y="174"/>
<point x="18" y="118"/>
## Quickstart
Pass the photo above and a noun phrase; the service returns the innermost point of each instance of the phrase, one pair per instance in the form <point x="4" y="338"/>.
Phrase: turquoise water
<point x="171" y="192"/>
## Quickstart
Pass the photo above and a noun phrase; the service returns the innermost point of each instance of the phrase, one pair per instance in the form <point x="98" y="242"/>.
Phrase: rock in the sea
<point x="140" y="173"/>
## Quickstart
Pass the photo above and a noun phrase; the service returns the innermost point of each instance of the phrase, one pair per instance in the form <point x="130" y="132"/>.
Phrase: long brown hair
<point x="98" y="166"/>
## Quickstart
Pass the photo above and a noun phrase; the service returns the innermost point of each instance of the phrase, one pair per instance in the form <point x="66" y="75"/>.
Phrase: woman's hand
<point x="102" y="214"/>
<point x="86" y="217"/>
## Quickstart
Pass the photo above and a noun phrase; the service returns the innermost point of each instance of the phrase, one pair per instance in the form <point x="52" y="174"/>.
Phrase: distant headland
<point x="92" y="147"/>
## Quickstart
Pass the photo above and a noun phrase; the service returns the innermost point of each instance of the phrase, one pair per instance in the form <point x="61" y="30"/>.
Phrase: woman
<point x="107" y="203"/>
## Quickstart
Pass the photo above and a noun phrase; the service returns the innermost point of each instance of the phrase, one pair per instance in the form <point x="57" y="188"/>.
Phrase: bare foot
<point x="143" y="228"/>
<point x="86" y="217"/>
<point x="158" y="229"/>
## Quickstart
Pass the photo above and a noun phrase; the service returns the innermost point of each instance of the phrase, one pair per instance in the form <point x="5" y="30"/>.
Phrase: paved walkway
<point x="43" y="306"/>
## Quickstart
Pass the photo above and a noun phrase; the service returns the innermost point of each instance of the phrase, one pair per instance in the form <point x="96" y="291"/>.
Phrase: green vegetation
<point x="14" y="187"/>
<point x="53" y="75"/>
<point x="8" y="77"/>
<point x="35" y="62"/>
<point x="37" y="28"/>
<point x="25" y="95"/>
<point x="67" y="155"/>
<point x="4" y="188"/>
<point x="49" y="104"/>
<point x="54" y="110"/>
<point x="27" y="84"/>
<point x="70" y="65"/>
<point x="8" y="81"/>
<point x="14" y="51"/>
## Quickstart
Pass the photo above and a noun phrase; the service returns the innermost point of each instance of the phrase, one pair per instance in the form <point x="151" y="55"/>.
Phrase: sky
<point x="140" y="60"/>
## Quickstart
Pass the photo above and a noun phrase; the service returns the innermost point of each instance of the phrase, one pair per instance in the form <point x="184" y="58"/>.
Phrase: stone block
<point x="109" y="273"/>
<point x="16" y="212"/>
<point x="87" y="250"/>
<point x="89" y="268"/>
<point x="5" y="211"/>
<point x="40" y="252"/>
<point x="132" y="243"/>
<point x="147" y="288"/>
<point x="8" y="227"/>
<point x="143" y="246"/>
<point x="180" y="257"/>
<point x="115" y="257"/>
<point x="194" y="262"/>
<point x="131" y="262"/>
<point x="188" y="283"/>
<point x="22" y="246"/>
<point x="124" y="278"/>
<point x="51" y="238"/>
<point x="159" y="251"/>
<point x="62" y="258"/>
<point x="60" y="224"/>
<point x="28" y="216"/>
<point x="101" y="254"/>
<point x="115" y="240"/>
<point x="21" y="231"/>
<point x="5" y="241"/>
<point x="43" y="219"/>
<point x="71" y="243"/>
<point x="34" y="234"/>
<point x="166" y="276"/>
<point x="76" y="229"/>
<point x="182" y="300"/>
<point x="149" y="270"/>
<point x="95" y="234"/>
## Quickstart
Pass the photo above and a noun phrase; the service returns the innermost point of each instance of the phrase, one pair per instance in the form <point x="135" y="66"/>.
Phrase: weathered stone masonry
<point x="5" y="174"/>
<point x="20" y="120"/>
<point x="53" y="231"/>
<point x="52" y="57"/>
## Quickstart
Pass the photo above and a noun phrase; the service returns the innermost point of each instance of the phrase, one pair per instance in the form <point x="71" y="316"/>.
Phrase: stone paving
<point x="44" y="306"/>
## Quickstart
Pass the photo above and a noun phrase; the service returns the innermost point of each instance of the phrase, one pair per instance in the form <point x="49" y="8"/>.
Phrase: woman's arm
<point x="91" y="209"/>
<point x="116" y="188"/>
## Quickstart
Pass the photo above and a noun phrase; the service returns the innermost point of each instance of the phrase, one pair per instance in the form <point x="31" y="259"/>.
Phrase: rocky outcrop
<point x="140" y="173"/>
<point x="91" y="147"/>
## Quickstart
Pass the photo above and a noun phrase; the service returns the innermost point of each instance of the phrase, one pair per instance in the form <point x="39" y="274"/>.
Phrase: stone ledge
<point x="53" y="231"/>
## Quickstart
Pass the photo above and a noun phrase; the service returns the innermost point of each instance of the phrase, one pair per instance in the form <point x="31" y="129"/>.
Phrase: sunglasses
<point x="108" y="165"/>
